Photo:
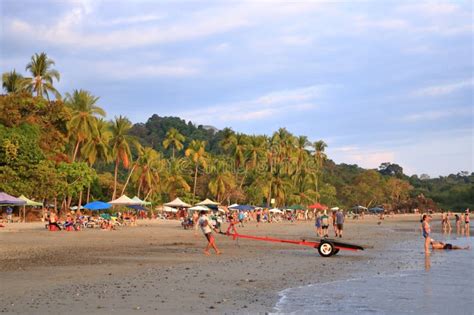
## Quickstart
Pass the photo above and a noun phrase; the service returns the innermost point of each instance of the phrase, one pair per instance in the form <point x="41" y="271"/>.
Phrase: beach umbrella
<point x="275" y="210"/>
<point x="318" y="206"/>
<point x="297" y="207"/>
<point x="243" y="208"/>
<point x="30" y="203"/>
<point x="207" y="202"/>
<point x="6" y="199"/>
<point x="376" y="210"/>
<point x="234" y="205"/>
<point x="169" y="209"/>
<point x="124" y="201"/>
<point x="76" y="207"/>
<point x="199" y="208"/>
<point x="97" y="205"/>
<point x="142" y="202"/>
<point x="177" y="203"/>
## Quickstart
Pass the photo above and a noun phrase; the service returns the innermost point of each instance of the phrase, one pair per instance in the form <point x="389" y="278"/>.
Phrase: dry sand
<point x="159" y="268"/>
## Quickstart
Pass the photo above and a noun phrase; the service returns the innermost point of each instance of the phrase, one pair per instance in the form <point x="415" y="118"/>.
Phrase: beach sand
<point x="157" y="267"/>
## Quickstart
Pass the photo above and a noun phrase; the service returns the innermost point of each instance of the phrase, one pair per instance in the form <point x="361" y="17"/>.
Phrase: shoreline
<point x="158" y="266"/>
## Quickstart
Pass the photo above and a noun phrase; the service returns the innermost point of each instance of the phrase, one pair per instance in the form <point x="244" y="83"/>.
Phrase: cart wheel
<point x="326" y="249"/>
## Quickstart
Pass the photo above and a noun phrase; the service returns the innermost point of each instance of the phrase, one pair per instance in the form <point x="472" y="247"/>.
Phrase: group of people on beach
<point x="462" y="227"/>
<point x="76" y="221"/>
<point x="323" y="221"/>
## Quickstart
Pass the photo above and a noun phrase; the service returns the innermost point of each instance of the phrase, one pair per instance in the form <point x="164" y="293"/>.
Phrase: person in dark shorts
<point x="339" y="222"/>
<point x="259" y="216"/>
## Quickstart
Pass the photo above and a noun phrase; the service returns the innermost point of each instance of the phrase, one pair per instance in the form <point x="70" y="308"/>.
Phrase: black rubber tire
<point x="326" y="249"/>
<point x="336" y="250"/>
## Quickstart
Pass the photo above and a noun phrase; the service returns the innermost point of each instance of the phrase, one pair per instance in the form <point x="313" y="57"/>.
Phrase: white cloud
<point x="444" y="89"/>
<point x="266" y="106"/>
<point x="436" y="114"/>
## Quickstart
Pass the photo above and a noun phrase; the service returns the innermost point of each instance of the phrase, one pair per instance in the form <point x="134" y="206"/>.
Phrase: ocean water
<point x="443" y="283"/>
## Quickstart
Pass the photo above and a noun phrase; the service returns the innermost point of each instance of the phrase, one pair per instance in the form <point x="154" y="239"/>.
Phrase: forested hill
<point x="153" y="132"/>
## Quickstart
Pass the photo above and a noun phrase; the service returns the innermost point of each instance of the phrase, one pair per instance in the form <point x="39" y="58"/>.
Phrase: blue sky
<point x="377" y="80"/>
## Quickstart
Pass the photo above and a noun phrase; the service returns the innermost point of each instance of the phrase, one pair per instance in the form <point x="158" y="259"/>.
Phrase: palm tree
<point x="42" y="75"/>
<point x="13" y="82"/>
<point x="120" y="143"/>
<point x="148" y="170"/>
<point x="197" y="153"/>
<point x="319" y="157"/>
<point x="83" y="123"/>
<point x="174" y="180"/>
<point x="175" y="139"/>
<point x="97" y="147"/>
<point x="221" y="179"/>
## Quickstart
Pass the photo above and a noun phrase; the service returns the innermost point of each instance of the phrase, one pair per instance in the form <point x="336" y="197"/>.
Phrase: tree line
<point x="65" y="151"/>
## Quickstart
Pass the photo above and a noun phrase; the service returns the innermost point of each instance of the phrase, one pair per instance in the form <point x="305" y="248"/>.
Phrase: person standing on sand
<point x="426" y="230"/>
<point x="334" y="224"/>
<point x="259" y="216"/>
<point x="467" y="221"/>
<point x="9" y="215"/>
<point x="206" y="229"/>
<point x="317" y="225"/>
<point x="339" y="222"/>
<point x="195" y="219"/>
<point x="241" y="218"/>
<point x="325" y="224"/>
<point x="458" y="223"/>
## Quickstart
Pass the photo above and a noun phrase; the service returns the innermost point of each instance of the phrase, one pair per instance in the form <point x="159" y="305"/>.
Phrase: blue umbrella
<point x="243" y="208"/>
<point x="376" y="210"/>
<point x="97" y="205"/>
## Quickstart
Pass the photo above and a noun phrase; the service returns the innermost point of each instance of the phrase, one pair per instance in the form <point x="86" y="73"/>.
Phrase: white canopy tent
<point x="177" y="203"/>
<point x="124" y="201"/>
<point x="144" y="203"/>
<point x="199" y="208"/>
<point x="207" y="202"/>
<point x="275" y="210"/>
<point x="169" y="209"/>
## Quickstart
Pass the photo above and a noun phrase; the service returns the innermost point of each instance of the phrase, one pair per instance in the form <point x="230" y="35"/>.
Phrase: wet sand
<point x="157" y="267"/>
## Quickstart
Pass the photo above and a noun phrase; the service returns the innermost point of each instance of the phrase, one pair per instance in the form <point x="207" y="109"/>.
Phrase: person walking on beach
<point x="317" y="225"/>
<point x="206" y="229"/>
<point x="339" y="222"/>
<point x="259" y="216"/>
<point x="334" y="224"/>
<point x="426" y="230"/>
<point x="467" y="221"/>
<point x="241" y="218"/>
<point x="9" y="215"/>
<point x="325" y="224"/>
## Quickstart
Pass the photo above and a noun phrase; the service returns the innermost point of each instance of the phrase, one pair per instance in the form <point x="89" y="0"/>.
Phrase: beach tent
<point x="318" y="206"/>
<point x="335" y="208"/>
<point x="207" y="202"/>
<point x="6" y="199"/>
<point x="243" y="208"/>
<point x="199" y="208"/>
<point x="97" y="205"/>
<point x="233" y="205"/>
<point x="297" y="207"/>
<point x="169" y="209"/>
<point x="30" y="203"/>
<point x="124" y="201"/>
<point x="376" y="210"/>
<point x="142" y="202"/>
<point x="275" y="210"/>
<point x="177" y="203"/>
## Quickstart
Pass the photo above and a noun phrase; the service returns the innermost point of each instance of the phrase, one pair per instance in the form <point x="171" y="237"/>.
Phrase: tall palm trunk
<point x="115" y="178"/>
<point x="88" y="193"/>
<point x="79" y="203"/>
<point x="128" y="178"/>
<point x="173" y="153"/>
<point x="76" y="150"/>
<point x="195" y="181"/>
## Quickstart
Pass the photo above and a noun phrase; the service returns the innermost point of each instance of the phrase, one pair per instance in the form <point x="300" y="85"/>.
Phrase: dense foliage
<point x="65" y="152"/>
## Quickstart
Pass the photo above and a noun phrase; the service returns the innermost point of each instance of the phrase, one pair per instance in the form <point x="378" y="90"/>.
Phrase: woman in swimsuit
<point x="466" y="222"/>
<point x="441" y="245"/>
<point x="426" y="230"/>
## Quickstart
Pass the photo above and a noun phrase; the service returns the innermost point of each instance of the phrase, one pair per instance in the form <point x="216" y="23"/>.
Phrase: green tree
<point x="174" y="139"/>
<point x="120" y="142"/>
<point x="197" y="153"/>
<point x="41" y="82"/>
<point x="85" y="112"/>
<point x="13" y="82"/>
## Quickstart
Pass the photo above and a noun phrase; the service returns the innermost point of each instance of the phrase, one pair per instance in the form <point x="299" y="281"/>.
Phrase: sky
<point x="378" y="81"/>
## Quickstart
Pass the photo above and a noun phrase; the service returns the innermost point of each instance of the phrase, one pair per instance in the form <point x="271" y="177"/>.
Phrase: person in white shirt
<point x="206" y="229"/>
